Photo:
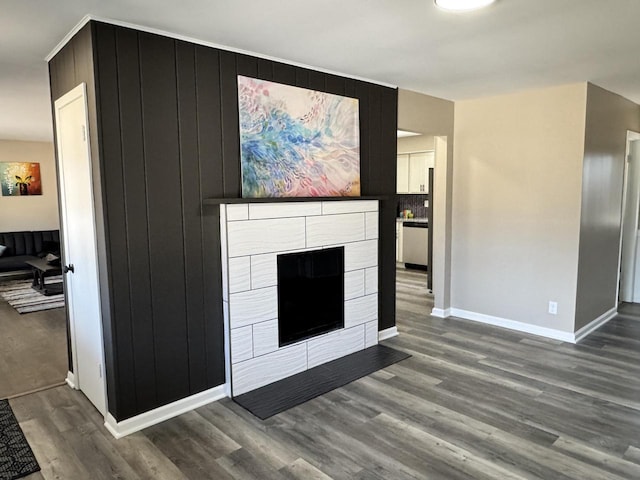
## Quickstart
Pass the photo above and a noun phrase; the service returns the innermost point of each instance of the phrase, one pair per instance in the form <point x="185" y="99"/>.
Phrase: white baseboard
<point x="160" y="414"/>
<point x="440" y="313"/>
<point x="71" y="380"/>
<point x="534" y="329"/>
<point x="594" y="325"/>
<point x="514" y="325"/>
<point x="387" y="333"/>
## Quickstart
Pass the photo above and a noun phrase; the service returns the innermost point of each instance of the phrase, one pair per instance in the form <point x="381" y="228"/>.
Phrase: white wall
<point x="516" y="205"/>
<point x="419" y="143"/>
<point x="38" y="212"/>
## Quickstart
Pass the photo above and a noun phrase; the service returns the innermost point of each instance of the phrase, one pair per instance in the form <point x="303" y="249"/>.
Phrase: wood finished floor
<point x="473" y="402"/>
<point x="33" y="350"/>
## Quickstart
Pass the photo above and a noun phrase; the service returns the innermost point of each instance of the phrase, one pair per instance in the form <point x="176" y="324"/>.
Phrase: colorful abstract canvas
<point x="20" y="179"/>
<point x="296" y="142"/>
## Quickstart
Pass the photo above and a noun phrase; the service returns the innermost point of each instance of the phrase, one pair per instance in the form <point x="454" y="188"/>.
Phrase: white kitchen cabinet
<point x="418" y="173"/>
<point x="413" y="172"/>
<point x="403" y="174"/>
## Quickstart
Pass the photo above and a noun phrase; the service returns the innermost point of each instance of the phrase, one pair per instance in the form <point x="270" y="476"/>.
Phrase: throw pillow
<point x="52" y="259"/>
<point x="2" y="249"/>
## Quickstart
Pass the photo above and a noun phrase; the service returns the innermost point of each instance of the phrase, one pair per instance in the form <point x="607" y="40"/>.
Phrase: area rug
<point x="16" y="457"/>
<point x="20" y="295"/>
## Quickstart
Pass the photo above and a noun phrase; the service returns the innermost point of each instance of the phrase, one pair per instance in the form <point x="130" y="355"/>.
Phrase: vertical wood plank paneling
<point x="335" y="84"/>
<point x="230" y="134"/>
<point x="362" y="93"/>
<point x="302" y="78"/>
<point x="87" y="35"/>
<point x="83" y="61"/>
<point x="135" y="197"/>
<point x="387" y="164"/>
<point x="317" y="80"/>
<point x="191" y="214"/>
<point x="387" y="266"/>
<point x="246" y="65"/>
<point x="283" y="73"/>
<point x="123" y="404"/>
<point x="166" y="243"/>
<point x="54" y="85"/>
<point x="265" y="69"/>
<point x="66" y="68"/>
<point x="209" y="121"/>
<point x="213" y="297"/>
<point x="232" y="187"/>
<point x="168" y="124"/>
<point x="350" y="87"/>
<point x="375" y="171"/>
<point x="209" y="116"/>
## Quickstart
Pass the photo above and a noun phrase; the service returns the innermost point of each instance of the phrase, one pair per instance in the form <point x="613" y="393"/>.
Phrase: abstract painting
<point x="296" y="142"/>
<point x="17" y="178"/>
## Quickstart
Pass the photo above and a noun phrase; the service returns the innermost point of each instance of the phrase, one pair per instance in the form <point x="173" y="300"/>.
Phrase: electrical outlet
<point x="426" y="203"/>
<point x="553" y="308"/>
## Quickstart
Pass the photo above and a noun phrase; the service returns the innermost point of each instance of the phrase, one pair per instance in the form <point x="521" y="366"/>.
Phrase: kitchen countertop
<point x="415" y="219"/>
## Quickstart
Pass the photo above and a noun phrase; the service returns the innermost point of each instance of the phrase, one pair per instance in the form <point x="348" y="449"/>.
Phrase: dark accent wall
<point x="167" y="138"/>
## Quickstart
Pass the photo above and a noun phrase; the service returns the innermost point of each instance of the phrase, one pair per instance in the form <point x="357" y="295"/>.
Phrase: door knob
<point x="69" y="268"/>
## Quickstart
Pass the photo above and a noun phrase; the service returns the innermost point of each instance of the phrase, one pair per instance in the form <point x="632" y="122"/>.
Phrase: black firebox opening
<point x="310" y="294"/>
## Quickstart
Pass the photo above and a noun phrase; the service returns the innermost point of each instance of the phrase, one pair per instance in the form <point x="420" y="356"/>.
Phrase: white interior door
<point x="631" y="209"/>
<point x="78" y="225"/>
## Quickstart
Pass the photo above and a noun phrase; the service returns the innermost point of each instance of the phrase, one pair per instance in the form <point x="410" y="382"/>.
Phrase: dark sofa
<point x="22" y="246"/>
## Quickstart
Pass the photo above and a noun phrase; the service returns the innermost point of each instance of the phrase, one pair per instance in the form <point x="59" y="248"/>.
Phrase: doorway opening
<point x="33" y="331"/>
<point x="416" y="165"/>
<point x="629" y="271"/>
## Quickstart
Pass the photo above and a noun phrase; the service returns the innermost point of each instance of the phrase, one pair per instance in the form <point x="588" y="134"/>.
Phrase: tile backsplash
<point x="415" y="203"/>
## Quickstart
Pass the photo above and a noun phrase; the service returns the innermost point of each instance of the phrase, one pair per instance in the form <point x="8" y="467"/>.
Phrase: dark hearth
<point x="277" y="397"/>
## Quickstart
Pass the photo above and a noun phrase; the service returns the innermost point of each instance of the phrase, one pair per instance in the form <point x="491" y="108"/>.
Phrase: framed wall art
<point x="20" y="179"/>
<point x="296" y="142"/>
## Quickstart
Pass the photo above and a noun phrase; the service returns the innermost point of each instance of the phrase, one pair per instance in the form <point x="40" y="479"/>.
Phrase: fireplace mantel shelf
<point x="228" y="201"/>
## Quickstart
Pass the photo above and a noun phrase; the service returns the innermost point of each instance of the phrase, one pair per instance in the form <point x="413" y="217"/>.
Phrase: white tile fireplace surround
<point x="252" y="235"/>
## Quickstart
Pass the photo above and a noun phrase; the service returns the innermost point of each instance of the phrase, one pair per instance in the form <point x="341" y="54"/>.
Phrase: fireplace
<point x="267" y="341"/>
<point x="310" y="294"/>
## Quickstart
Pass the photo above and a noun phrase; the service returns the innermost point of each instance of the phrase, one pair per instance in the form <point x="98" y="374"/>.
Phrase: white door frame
<point x="75" y="380"/>
<point x="631" y="136"/>
<point x="440" y="201"/>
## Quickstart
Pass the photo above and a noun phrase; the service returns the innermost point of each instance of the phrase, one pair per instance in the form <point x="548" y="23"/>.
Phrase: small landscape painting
<point x="296" y="142"/>
<point x="20" y="178"/>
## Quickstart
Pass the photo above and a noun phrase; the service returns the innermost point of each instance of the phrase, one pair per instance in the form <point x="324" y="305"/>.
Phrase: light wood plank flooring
<point x="473" y="402"/>
<point x="33" y="350"/>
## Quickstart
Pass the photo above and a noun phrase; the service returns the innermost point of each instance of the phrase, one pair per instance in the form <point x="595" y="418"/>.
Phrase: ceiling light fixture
<point x="462" y="5"/>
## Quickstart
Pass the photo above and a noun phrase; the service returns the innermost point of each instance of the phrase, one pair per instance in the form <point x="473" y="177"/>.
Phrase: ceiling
<point x="513" y="45"/>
